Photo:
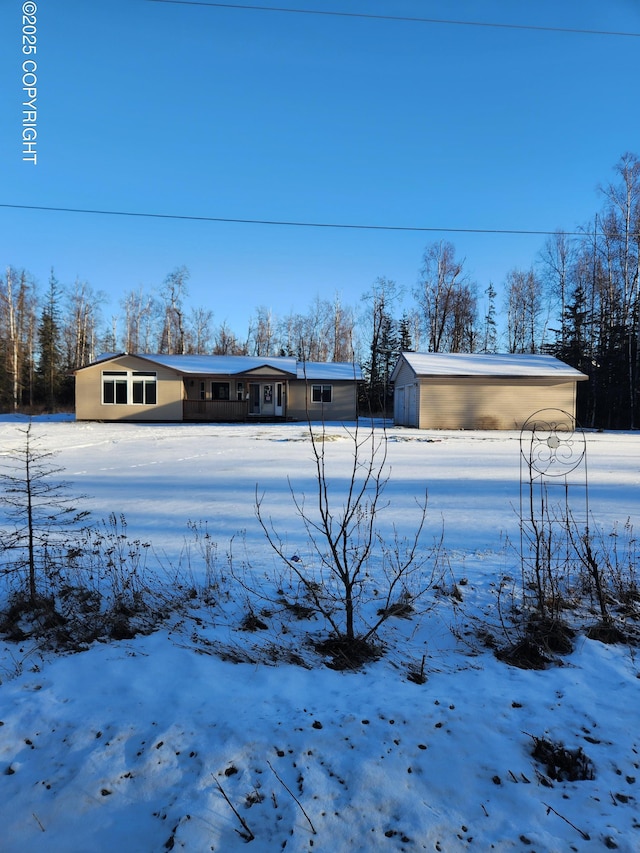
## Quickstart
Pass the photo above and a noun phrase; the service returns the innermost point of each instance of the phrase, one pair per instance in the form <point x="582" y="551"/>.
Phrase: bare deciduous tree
<point x="526" y="313"/>
<point x="174" y="292"/>
<point x="141" y="313"/>
<point x="200" y="331"/>
<point x="350" y="564"/>
<point x="447" y="300"/>
<point x="262" y="332"/>
<point x="557" y="258"/>
<point x="342" y="332"/>
<point x="17" y="336"/>
<point x="226" y="343"/>
<point x="80" y="329"/>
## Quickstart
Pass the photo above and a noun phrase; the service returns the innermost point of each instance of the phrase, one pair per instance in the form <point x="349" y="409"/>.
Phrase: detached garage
<point x="480" y="391"/>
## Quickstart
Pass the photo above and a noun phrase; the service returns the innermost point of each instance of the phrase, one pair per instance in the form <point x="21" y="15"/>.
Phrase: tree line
<point x="579" y="301"/>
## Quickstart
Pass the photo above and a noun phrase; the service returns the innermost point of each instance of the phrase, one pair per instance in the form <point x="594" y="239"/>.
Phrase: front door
<point x="254" y="398"/>
<point x="279" y="407"/>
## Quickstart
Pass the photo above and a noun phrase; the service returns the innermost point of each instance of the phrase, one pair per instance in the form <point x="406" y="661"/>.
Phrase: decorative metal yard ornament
<point x="551" y="444"/>
<point x="554" y="505"/>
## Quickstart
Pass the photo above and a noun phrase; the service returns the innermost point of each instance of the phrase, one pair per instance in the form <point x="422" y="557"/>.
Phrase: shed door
<point x="411" y="405"/>
<point x="398" y="406"/>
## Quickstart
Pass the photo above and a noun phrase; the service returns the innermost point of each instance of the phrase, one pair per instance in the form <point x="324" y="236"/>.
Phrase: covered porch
<point x="235" y="399"/>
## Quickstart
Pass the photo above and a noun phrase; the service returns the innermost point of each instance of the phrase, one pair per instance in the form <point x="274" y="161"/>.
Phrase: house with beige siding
<point x="480" y="390"/>
<point x="127" y="387"/>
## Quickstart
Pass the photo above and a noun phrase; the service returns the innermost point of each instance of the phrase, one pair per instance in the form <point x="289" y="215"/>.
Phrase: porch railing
<point x="215" y="410"/>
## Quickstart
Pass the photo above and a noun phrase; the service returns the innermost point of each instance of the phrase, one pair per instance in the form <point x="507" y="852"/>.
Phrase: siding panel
<point x="89" y="405"/>
<point x="489" y="404"/>
<point x="342" y="407"/>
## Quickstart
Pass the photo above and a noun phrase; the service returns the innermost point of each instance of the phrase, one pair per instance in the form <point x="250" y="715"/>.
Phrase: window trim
<point x="148" y="381"/>
<point x="120" y="387"/>
<point x="321" y="393"/>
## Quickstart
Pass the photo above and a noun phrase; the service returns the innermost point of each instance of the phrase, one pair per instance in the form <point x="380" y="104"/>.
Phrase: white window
<point x="129" y="387"/>
<point x="114" y="386"/>
<point x="143" y="388"/>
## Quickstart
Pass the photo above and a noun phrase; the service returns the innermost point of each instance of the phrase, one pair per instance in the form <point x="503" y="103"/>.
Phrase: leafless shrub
<point x="547" y="559"/>
<point x="609" y="579"/>
<point x="215" y="584"/>
<point x="562" y="764"/>
<point x="570" y="574"/>
<point x="100" y="588"/>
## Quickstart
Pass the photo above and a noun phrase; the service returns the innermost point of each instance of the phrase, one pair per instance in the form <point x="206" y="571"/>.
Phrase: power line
<point x="299" y="224"/>
<point x="413" y="20"/>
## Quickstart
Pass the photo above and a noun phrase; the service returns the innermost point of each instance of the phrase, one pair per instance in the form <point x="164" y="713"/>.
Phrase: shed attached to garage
<point x="480" y="390"/>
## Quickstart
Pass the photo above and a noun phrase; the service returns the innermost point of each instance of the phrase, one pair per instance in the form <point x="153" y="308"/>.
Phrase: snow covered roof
<point x="328" y="370"/>
<point x="487" y="364"/>
<point x="230" y="365"/>
<point x="221" y="364"/>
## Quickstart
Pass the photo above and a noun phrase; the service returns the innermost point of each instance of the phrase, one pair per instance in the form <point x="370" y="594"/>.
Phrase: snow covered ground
<point x="156" y="743"/>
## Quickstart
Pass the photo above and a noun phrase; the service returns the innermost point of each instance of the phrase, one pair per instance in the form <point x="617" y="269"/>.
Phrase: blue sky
<point x="196" y="111"/>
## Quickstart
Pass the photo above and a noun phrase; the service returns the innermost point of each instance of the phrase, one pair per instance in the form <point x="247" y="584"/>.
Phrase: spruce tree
<point x="49" y="372"/>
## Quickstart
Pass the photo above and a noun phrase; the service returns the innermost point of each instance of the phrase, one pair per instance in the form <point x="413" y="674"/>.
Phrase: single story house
<point x="480" y="390"/>
<point x="127" y="387"/>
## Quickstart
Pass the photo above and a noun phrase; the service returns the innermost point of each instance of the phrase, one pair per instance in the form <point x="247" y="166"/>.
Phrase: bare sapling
<point x="349" y="564"/>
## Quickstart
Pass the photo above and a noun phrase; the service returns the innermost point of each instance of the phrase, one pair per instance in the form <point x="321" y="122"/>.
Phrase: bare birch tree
<point x="80" y="328"/>
<point x="262" y="332"/>
<point x="17" y="335"/>
<point x="447" y="299"/>
<point x="526" y="312"/>
<point x="557" y="259"/>
<point x="173" y="294"/>
<point x="200" y="332"/>
<point x="141" y="320"/>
